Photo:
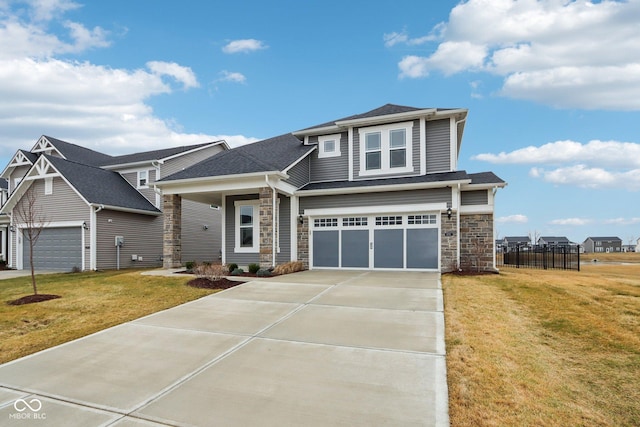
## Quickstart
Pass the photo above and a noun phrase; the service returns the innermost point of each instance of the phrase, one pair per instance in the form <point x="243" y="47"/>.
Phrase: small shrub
<point x="263" y="272"/>
<point x="237" y="272"/>
<point x="253" y="268"/>
<point x="289" y="267"/>
<point x="232" y="266"/>
<point x="209" y="271"/>
<point x="190" y="265"/>
<point x="76" y="269"/>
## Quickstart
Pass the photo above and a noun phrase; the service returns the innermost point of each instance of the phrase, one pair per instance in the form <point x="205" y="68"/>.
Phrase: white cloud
<point x="234" y="77"/>
<point x="513" y="219"/>
<point x="99" y="107"/>
<point x="568" y="54"/>
<point x="594" y="178"/>
<point x="623" y="221"/>
<point x="244" y="46"/>
<point x="603" y="153"/>
<point x="182" y="74"/>
<point x="571" y="221"/>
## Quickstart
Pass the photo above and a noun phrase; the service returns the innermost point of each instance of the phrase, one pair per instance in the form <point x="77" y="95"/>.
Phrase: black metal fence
<point x="562" y="257"/>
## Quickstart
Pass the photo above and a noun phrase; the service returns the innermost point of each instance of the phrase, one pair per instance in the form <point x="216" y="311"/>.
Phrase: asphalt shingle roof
<point x="79" y="154"/>
<point x="152" y="155"/>
<point x="485" y="178"/>
<point x="112" y="190"/>
<point x="29" y="155"/>
<point x="273" y="154"/>
<point x="434" y="177"/>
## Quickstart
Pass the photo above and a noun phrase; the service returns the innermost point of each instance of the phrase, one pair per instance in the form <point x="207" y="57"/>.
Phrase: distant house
<point x="602" y="244"/>
<point x="638" y="245"/>
<point x="553" y="241"/>
<point x="512" y="242"/>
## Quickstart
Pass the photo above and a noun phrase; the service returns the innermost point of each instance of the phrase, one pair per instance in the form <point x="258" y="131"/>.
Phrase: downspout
<point x="93" y="238"/>
<point x="273" y="217"/>
<point x="458" y="228"/>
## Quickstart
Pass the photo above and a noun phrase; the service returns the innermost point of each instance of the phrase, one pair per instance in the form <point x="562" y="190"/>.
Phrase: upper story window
<point x="386" y="149"/>
<point x="329" y="146"/>
<point x="143" y="179"/>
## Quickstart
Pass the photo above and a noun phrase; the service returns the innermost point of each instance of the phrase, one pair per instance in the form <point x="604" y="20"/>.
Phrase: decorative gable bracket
<point x="45" y="146"/>
<point x="42" y="169"/>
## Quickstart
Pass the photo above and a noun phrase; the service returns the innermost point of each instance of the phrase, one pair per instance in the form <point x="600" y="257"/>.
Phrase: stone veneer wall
<point x="303" y="242"/>
<point x="172" y="231"/>
<point x="476" y="242"/>
<point x="266" y="227"/>
<point x="448" y="244"/>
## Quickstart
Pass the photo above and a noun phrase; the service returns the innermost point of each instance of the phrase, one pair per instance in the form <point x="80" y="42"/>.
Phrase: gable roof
<point x="485" y="178"/>
<point x="517" y="239"/>
<point x="269" y="155"/>
<point x="164" y="153"/>
<point x="604" y="239"/>
<point x="113" y="190"/>
<point x="77" y="153"/>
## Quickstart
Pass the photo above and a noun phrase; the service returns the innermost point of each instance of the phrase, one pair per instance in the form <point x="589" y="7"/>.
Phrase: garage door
<point x="56" y="249"/>
<point x="376" y="242"/>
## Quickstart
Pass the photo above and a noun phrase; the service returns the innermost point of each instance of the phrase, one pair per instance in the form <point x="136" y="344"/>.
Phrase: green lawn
<point x="89" y="302"/>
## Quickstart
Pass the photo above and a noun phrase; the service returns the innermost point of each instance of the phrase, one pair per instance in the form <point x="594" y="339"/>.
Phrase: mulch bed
<point x="203" y="283"/>
<point x="30" y="299"/>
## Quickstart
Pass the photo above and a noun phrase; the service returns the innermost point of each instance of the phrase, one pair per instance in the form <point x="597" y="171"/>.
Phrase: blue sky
<point x="552" y="87"/>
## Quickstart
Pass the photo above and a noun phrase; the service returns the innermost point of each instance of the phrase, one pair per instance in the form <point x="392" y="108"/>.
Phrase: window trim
<point x="327" y="138"/>
<point x="386" y="149"/>
<point x="146" y="184"/>
<point x="48" y="186"/>
<point x="238" y="204"/>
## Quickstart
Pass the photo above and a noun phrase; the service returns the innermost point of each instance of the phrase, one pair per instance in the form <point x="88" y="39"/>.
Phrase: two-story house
<point x="99" y="211"/>
<point x="602" y="244"/>
<point x="378" y="190"/>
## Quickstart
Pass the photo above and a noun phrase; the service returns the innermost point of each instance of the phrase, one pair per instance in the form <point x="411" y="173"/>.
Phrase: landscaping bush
<point x="211" y="272"/>
<point x="190" y="265"/>
<point x="232" y="266"/>
<point x="263" y="272"/>
<point x="253" y="268"/>
<point x="237" y="272"/>
<point x="289" y="267"/>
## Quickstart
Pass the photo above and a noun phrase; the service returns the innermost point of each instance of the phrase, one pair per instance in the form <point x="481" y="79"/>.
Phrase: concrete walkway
<point x="316" y="348"/>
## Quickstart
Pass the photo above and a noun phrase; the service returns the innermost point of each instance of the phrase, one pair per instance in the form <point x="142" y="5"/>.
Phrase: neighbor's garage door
<point x="55" y="249"/>
<point x="377" y="241"/>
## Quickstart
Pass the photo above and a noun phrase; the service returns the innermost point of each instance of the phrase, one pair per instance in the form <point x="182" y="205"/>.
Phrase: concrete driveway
<point x="315" y="348"/>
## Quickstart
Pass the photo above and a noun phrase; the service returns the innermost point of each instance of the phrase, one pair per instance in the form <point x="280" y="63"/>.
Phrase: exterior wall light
<point x="300" y="219"/>
<point x="449" y="212"/>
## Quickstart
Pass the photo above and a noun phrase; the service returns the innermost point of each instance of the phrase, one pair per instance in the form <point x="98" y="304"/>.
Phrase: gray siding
<point x="230" y="227"/>
<point x="285" y="230"/>
<point x="331" y="168"/>
<point x="376" y="199"/>
<point x="18" y="172"/>
<point x="300" y="173"/>
<point x="182" y="162"/>
<point x="148" y="193"/>
<point x="199" y="244"/>
<point x="415" y="147"/>
<point x="438" y="146"/>
<point x="477" y="197"/>
<point x="142" y="237"/>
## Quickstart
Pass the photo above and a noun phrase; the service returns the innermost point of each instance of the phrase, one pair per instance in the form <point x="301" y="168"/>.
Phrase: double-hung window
<point x="143" y="179"/>
<point x="386" y="149"/>
<point x="247" y="226"/>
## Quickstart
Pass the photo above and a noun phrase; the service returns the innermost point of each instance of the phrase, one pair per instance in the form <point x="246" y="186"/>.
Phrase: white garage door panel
<point x="56" y="249"/>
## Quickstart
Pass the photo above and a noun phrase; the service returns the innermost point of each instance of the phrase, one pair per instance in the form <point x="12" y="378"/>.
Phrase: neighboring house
<point x="602" y="244"/>
<point x="4" y="220"/>
<point x="554" y="241"/>
<point x="379" y="190"/>
<point x="638" y="245"/>
<point x="87" y="198"/>
<point x="512" y="242"/>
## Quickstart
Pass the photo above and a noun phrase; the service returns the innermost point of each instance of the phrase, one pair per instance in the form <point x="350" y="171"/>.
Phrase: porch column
<point x="266" y="227"/>
<point x="172" y="233"/>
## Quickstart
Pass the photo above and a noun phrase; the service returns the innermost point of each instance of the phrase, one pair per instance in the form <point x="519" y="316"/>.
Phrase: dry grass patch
<point x="531" y="347"/>
<point x="90" y="302"/>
